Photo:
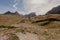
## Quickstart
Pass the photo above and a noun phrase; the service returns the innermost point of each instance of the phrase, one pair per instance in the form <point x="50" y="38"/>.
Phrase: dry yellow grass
<point x="15" y="27"/>
<point x="10" y="19"/>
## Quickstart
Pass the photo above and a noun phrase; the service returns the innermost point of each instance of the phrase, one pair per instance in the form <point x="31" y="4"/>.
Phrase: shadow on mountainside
<point x="49" y="20"/>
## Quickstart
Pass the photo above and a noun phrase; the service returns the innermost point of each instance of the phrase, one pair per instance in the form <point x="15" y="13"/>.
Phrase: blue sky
<point x="7" y="5"/>
<point x="28" y="6"/>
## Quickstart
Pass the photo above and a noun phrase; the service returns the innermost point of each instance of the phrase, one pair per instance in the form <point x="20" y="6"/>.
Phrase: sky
<point x="40" y="7"/>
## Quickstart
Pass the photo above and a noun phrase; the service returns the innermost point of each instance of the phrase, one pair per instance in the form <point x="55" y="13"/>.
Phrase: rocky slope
<point x="19" y="27"/>
<point x="50" y="20"/>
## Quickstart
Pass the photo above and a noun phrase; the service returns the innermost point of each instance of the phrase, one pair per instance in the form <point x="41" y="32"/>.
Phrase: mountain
<point x="8" y="12"/>
<point x="31" y="15"/>
<point x="55" y="10"/>
<point x="16" y="13"/>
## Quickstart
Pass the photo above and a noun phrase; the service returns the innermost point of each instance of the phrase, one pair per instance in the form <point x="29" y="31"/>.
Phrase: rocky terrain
<point x="14" y="26"/>
<point x="28" y="32"/>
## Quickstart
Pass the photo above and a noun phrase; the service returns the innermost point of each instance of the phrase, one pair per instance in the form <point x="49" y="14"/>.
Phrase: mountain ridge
<point x="55" y="10"/>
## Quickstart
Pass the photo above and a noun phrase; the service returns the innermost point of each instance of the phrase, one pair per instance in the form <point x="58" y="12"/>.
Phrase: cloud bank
<point x="40" y="6"/>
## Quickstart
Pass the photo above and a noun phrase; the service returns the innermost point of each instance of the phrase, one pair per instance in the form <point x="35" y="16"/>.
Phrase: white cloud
<point x="40" y="6"/>
<point x="15" y="4"/>
<point x="21" y="12"/>
<point x="38" y="1"/>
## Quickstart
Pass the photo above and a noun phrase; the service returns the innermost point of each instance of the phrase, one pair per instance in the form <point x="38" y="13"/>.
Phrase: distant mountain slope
<point x="31" y="15"/>
<point x="8" y="12"/>
<point x="55" y="10"/>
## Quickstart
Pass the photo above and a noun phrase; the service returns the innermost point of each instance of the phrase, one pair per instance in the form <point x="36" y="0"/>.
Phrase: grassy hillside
<point x="16" y="27"/>
<point x="47" y="21"/>
<point x="31" y="31"/>
<point x="10" y="19"/>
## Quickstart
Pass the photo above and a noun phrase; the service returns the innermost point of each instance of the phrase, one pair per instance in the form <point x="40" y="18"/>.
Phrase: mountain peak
<point x="32" y="14"/>
<point x="8" y="12"/>
<point x="15" y="13"/>
<point x="55" y="10"/>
